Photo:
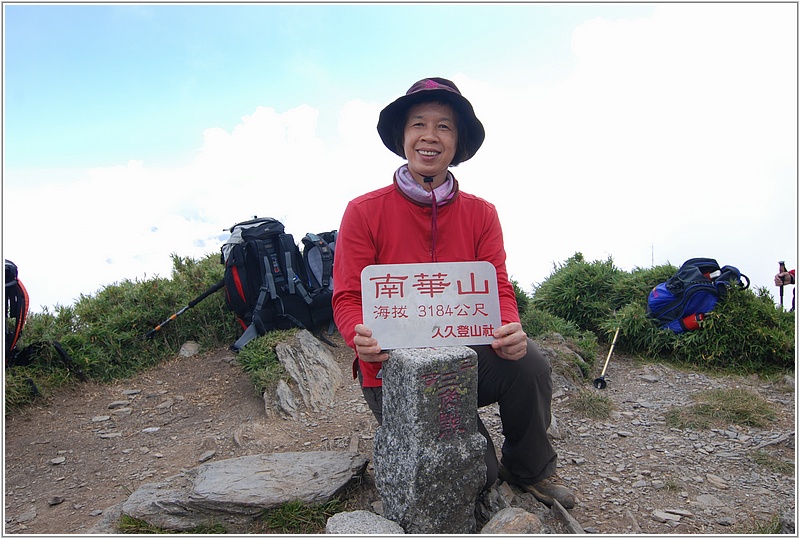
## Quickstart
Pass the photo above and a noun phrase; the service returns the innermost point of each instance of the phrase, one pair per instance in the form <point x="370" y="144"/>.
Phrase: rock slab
<point x="235" y="491"/>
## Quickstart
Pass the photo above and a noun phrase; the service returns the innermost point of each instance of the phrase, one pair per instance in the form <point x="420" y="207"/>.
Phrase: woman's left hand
<point x="510" y="341"/>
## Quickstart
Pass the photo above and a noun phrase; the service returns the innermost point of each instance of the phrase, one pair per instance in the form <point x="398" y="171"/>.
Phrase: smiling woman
<point x="424" y="218"/>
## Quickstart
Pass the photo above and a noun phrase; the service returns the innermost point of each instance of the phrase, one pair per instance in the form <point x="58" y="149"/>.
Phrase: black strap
<point x="327" y="258"/>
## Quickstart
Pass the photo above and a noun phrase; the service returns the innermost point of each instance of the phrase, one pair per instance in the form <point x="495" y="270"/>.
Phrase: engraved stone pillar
<point x="428" y="454"/>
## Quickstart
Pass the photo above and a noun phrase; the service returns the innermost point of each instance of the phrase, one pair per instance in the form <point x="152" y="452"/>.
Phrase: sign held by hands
<point x="430" y="304"/>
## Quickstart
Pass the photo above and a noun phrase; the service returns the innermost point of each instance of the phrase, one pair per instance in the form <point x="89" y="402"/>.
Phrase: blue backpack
<point x="680" y="303"/>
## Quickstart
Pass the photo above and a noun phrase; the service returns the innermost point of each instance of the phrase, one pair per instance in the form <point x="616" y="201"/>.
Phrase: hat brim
<point x="396" y="111"/>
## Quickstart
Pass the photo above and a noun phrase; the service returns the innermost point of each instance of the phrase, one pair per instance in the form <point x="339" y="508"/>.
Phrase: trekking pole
<point x="150" y="334"/>
<point x="781" y="269"/>
<point x="600" y="383"/>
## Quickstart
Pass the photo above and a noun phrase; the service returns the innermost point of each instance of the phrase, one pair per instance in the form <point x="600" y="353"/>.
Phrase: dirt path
<point x="86" y="448"/>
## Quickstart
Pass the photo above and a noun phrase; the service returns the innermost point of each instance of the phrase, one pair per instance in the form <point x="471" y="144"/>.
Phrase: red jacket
<point x="386" y="227"/>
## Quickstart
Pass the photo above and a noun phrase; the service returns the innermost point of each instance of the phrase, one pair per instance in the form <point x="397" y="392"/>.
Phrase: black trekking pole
<point x="781" y="269"/>
<point x="195" y="301"/>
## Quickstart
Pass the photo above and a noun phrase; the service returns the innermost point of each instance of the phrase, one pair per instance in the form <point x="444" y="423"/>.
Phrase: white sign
<point x="433" y="304"/>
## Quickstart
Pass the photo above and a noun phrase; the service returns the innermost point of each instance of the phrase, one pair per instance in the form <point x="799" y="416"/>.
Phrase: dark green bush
<point x="579" y="292"/>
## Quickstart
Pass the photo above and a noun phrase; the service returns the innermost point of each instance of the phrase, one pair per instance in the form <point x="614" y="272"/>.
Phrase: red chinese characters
<point x="448" y="387"/>
<point x="435" y="304"/>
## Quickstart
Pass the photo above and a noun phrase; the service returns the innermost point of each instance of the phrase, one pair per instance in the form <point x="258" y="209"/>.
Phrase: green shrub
<point x="104" y="334"/>
<point x="538" y="324"/>
<point x="579" y="292"/>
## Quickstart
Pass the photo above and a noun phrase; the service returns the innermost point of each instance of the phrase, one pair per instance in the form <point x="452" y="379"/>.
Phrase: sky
<point x="644" y="133"/>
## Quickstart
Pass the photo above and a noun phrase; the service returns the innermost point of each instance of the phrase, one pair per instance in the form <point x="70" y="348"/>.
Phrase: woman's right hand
<point x="368" y="348"/>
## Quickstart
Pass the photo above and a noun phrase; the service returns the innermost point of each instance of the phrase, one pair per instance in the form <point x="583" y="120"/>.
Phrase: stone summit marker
<point x="428" y="454"/>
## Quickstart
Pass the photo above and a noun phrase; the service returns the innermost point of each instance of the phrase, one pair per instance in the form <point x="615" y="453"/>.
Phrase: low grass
<point x="130" y="525"/>
<point x="591" y="404"/>
<point x="772" y="463"/>
<point x="297" y="517"/>
<point x="723" y="407"/>
<point x="259" y="360"/>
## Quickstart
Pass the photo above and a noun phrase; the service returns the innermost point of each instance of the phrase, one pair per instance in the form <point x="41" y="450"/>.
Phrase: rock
<point x="27" y="516"/>
<point x="680" y="512"/>
<point x="361" y="523"/>
<point x="634" y="526"/>
<point x="709" y="501"/>
<point x="787" y="521"/>
<point x="572" y="525"/>
<point x="663" y="516"/>
<point x="553" y="430"/>
<point x="165" y="405"/>
<point x="717" y="481"/>
<point x="513" y="521"/>
<point x="285" y="403"/>
<point x="208" y="455"/>
<point x="58" y="460"/>
<point x="235" y="491"/>
<point x="108" y="524"/>
<point x="118" y="404"/>
<point x="189" y="349"/>
<point x="312" y="367"/>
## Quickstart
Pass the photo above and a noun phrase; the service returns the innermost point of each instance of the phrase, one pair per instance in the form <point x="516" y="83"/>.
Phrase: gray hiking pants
<point x="523" y="390"/>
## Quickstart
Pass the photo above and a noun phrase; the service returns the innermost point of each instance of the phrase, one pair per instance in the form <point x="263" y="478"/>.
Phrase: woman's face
<point x="430" y="139"/>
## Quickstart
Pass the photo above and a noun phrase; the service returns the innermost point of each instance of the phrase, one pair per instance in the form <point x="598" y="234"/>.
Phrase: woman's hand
<point x="510" y="341"/>
<point x="368" y="348"/>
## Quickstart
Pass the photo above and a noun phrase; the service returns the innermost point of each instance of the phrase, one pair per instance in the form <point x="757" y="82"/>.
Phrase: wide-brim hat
<point x="391" y="121"/>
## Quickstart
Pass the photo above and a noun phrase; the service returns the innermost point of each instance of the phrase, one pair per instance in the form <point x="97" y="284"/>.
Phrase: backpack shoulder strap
<point x="294" y="265"/>
<point x="325" y="252"/>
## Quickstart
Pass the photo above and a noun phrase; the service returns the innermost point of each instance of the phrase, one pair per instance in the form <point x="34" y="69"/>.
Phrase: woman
<point x="424" y="217"/>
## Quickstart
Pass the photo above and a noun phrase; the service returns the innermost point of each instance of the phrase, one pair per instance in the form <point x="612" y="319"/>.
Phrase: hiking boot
<point x="545" y="490"/>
